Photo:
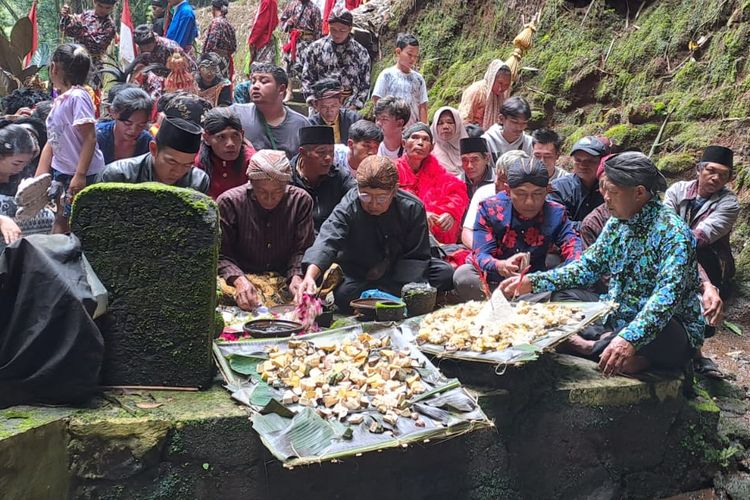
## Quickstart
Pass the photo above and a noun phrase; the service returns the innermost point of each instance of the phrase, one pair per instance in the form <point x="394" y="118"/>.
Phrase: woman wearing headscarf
<point x="212" y="86"/>
<point x="448" y="130"/>
<point x="266" y="226"/>
<point x="481" y="101"/>
<point x="378" y="235"/>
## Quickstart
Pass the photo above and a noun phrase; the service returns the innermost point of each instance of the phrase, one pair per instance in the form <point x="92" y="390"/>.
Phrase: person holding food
<point x="259" y="261"/>
<point x="650" y="255"/>
<point x="378" y="235"/>
<point x="514" y="230"/>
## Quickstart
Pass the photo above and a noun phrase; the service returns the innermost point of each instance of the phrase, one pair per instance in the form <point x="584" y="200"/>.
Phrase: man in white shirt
<point x="364" y="139"/>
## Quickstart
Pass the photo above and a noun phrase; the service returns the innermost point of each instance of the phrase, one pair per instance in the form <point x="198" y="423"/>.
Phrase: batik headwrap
<point x="377" y="172"/>
<point x="417" y="127"/>
<point x="529" y="170"/>
<point x="269" y="165"/>
<point x="634" y="169"/>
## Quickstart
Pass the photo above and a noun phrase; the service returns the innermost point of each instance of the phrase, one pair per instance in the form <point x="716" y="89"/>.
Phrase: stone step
<point x="558" y="435"/>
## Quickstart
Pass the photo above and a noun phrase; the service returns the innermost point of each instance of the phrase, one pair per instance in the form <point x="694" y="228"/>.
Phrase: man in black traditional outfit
<point x="378" y="235"/>
<point x="313" y="171"/>
<point x="169" y="160"/>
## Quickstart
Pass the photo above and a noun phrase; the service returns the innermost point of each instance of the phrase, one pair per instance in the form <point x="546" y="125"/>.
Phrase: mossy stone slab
<point x="155" y="248"/>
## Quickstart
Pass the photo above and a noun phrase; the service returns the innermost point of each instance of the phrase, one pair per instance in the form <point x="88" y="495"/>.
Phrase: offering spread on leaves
<point x="460" y="328"/>
<point x="340" y="379"/>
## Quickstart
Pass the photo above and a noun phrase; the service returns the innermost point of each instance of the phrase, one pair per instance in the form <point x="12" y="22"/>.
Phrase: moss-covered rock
<point x="675" y="163"/>
<point x="155" y="248"/>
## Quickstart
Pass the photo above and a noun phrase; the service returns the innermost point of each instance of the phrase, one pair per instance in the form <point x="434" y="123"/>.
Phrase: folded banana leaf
<point x="298" y="435"/>
<point x="518" y="354"/>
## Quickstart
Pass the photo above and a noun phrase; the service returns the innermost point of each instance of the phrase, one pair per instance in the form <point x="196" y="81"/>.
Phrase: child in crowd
<point x="402" y="81"/>
<point x="391" y="115"/>
<point x="71" y="154"/>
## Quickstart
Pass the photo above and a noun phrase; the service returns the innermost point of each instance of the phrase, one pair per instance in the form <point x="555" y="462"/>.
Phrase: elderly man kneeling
<point x="649" y="253"/>
<point x="378" y="235"/>
<point x="266" y="226"/>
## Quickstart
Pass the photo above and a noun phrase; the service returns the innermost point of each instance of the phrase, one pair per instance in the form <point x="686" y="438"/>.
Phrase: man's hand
<point x="445" y="221"/>
<point x="615" y="355"/>
<point x="515" y="285"/>
<point x="712" y="304"/>
<point x="76" y="185"/>
<point x="294" y="285"/>
<point x="510" y="266"/>
<point x="432" y="219"/>
<point x="307" y="286"/>
<point x="245" y="294"/>
<point x="9" y="229"/>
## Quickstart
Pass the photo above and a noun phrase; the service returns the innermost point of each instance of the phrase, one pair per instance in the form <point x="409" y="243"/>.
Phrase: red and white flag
<point x="127" y="48"/>
<point x="34" y="35"/>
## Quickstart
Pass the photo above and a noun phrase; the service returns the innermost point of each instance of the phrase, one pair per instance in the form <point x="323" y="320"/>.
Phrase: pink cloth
<point x="440" y="192"/>
<point x="69" y="110"/>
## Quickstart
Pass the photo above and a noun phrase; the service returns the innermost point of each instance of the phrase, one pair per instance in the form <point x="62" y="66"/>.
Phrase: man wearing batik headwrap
<point x="212" y="86"/>
<point x="157" y="48"/>
<point x="327" y="95"/>
<point x="224" y="154"/>
<point x="443" y="195"/>
<point x="183" y="105"/>
<point x="313" y="171"/>
<point x="649" y="253"/>
<point x="169" y="160"/>
<point x="341" y="55"/>
<point x="507" y="226"/>
<point x="302" y="20"/>
<point x="266" y="226"/>
<point x="378" y="235"/>
<point x="711" y="210"/>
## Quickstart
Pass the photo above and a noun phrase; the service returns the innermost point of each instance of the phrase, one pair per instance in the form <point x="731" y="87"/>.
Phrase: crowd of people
<point x="468" y="203"/>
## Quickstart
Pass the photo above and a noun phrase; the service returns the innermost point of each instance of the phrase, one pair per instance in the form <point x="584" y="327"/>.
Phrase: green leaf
<point x="246" y="365"/>
<point x="733" y="327"/>
<point x="206" y="466"/>
<point x="21" y="37"/>
<point x="309" y="434"/>
<point x="262" y="395"/>
<point x="270" y="423"/>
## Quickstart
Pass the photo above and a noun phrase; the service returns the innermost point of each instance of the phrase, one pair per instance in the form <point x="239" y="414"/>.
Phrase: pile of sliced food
<point x="463" y="328"/>
<point x="341" y="380"/>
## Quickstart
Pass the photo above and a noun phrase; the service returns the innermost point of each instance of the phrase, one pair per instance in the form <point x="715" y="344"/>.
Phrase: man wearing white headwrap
<point x="266" y="226"/>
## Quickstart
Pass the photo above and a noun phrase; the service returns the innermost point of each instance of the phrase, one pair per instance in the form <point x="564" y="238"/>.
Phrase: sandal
<point x="706" y="367"/>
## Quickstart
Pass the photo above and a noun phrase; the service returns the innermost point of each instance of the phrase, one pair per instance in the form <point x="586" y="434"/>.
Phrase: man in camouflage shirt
<point x="302" y="20"/>
<point x="339" y="56"/>
<point x="94" y="29"/>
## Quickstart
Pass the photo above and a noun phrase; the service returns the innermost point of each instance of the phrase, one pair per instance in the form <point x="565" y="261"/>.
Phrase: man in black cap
<point x="711" y="210"/>
<point x="158" y="9"/>
<point x="340" y="55"/>
<point x="579" y="193"/>
<point x="512" y="224"/>
<point x="313" y="171"/>
<point x="267" y="122"/>
<point x="169" y="160"/>
<point x="475" y="160"/>
<point x="327" y="99"/>
<point x="649" y="254"/>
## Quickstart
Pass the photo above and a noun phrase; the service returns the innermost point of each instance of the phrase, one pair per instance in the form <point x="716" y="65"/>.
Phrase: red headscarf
<point x="266" y="21"/>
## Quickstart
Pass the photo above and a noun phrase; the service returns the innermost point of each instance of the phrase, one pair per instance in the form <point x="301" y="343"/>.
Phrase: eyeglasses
<point x="380" y="199"/>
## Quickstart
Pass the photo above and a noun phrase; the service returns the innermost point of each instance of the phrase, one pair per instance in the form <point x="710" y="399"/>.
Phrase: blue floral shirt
<point x="654" y="275"/>
<point x="500" y="233"/>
